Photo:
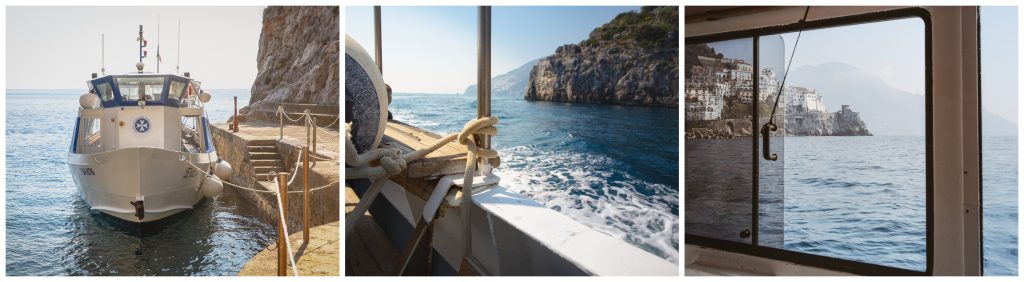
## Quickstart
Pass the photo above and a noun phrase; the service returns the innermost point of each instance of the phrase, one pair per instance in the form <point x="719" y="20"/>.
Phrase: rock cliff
<point x="842" y="123"/>
<point x="297" y="61"/>
<point x="632" y="60"/>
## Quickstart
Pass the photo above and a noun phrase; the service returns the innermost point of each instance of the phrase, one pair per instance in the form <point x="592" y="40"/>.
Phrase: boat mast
<point x="103" y="54"/>
<point x="177" y="65"/>
<point x="142" y="54"/>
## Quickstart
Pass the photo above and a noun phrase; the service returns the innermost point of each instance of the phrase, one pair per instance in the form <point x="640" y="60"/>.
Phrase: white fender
<point x="223" y="170"/>
<point x="212" y="187"/>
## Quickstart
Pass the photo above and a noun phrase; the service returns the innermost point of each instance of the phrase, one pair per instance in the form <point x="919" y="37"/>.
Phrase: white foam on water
<point x="407" y="116"/>
<point x="580" y="186"/>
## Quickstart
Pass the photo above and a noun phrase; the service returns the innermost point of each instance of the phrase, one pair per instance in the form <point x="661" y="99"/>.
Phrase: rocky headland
<point x="632" y="60"/>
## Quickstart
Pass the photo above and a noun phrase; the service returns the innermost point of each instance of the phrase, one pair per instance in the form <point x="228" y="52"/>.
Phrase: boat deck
<point x="368" y="250"/>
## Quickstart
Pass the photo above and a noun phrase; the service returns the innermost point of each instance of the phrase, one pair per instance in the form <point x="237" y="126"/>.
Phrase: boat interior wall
<point x="701" y="261"/>
<point x="952" y="125"/>
<point x="722" y="21"/>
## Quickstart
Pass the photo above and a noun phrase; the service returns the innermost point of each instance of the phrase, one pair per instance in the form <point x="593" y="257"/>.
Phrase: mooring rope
<point x="280" y="111"/>
<point x="284" y="227"/>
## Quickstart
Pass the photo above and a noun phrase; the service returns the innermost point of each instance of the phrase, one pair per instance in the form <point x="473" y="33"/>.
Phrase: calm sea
<point x="856" y="198"/>
<point x="613" y="168"/>
<point x="51" y="231"/>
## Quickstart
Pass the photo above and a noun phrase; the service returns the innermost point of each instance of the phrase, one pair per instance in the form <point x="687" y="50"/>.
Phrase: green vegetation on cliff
<point x="652" y="27"/>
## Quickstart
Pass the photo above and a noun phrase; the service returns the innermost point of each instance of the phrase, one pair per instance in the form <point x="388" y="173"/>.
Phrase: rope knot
<point x="482" y="126"/>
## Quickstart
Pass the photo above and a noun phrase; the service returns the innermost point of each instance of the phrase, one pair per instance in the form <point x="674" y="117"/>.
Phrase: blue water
<point x="999" y="204"/>
<point x="51" y="231"/>
<point x="613" y="168"/>
<point x="843" y="202"/>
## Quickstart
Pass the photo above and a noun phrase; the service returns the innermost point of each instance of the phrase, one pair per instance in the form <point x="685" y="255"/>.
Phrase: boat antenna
<point x="770" y="126"/>
<point x="177" y="66"/>
<point x="158" y="43"/>
<point x="103" y="54"/>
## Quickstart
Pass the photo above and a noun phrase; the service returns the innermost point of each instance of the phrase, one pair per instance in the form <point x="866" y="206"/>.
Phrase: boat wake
<point x="588" y="189"/>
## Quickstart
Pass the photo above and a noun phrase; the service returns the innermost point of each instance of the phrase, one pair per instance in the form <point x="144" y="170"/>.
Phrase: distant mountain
<point x="994" y="125"/>
<point x="509" y="84"/>
<point x="884" y="109"/>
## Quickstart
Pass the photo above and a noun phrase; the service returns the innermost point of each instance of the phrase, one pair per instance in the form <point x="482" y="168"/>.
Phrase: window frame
<point x="821" y="261"/>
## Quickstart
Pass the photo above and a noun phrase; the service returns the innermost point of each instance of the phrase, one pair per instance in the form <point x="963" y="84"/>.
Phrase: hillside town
<point x="719" y="91"/>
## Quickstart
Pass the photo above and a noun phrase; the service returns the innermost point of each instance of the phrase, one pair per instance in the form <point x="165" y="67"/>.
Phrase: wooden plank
<point x="449" y="159"/>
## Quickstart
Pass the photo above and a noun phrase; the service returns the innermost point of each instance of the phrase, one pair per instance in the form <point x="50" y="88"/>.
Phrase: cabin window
<point x="105" y="91"/>
<point x="90" y="139"/>
<point x="136" y="88"/>
<point x="177" y="87"/>
<point x="190" y="135"/>
<point x="850" y="179"/>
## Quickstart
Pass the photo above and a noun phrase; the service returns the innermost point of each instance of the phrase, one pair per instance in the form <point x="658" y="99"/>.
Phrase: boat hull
<point x="111" y="181"/>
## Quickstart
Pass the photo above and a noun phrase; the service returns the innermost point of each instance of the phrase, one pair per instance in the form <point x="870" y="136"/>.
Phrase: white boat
<point x="141" y="149"/>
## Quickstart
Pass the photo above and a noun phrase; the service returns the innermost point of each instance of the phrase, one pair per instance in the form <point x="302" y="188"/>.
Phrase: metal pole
<point x="483" y="76"/>
<point x="282" y="251"/>
<point x="235" y="120"/>
<point x="483" y="109"/>
<point x="376" y="38"/>
<point x="280" y="119"/>
<point x="305" y="195"/>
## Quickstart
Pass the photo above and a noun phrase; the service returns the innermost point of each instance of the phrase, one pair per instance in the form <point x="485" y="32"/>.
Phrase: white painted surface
<point x="514" y="235"/>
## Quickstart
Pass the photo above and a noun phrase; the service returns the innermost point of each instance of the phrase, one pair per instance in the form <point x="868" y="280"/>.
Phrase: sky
<point x="999" y="61"/>
<point x="63" y="46"/>
<point x="894" y="51"/>
<point x="434" y="49"/>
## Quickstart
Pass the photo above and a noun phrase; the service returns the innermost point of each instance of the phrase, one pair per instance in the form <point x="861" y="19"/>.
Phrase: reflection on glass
<point x="719" y="139"/>
<point x="771" y="181"/>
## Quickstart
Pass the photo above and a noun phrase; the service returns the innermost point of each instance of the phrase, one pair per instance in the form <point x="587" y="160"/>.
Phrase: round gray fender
<point x="366" y="98"/>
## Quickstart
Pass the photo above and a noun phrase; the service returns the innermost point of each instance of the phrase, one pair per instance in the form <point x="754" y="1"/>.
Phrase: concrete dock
<point x="318" y="258"/>
<point x="256" y="152"/>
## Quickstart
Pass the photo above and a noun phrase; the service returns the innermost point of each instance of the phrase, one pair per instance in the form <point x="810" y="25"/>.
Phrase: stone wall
<point x="325" y="202"/>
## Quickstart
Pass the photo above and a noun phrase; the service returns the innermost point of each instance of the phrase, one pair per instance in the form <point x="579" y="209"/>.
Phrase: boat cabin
<point x="142" y="110"/>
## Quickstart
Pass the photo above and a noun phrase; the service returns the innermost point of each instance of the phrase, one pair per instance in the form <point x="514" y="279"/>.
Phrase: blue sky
<point x="433" y="49"/>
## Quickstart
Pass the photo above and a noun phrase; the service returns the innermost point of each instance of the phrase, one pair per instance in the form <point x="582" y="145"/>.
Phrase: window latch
<point x="766" y="141"/>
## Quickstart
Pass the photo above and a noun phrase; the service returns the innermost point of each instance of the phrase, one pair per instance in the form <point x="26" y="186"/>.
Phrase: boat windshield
<point x="149" y="88"/>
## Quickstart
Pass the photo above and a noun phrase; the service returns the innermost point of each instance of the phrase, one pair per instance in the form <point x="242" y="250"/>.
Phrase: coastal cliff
<point x="845" y="122"/>
<point x="632" y="60"/>
<point x="297" y="61"/>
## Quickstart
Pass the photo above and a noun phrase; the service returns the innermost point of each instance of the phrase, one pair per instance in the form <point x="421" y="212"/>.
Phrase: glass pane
<point x="132" y="87"/>
<point x="854" y="170"/>
<point x="719" y="139"/>
<point x="771" y="180"/>
<point x="176" y="88"/>
<point x="105" y="91"/>
<point x="999" y="139"/>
